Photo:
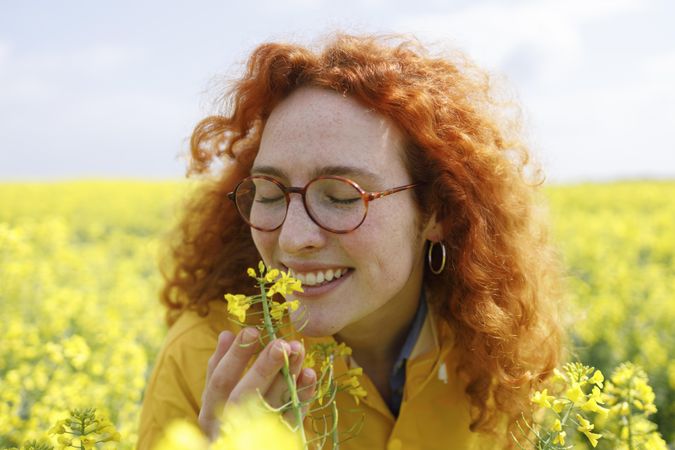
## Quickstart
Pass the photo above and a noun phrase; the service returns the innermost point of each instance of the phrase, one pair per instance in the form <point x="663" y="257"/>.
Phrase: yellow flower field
<point x="81" y="322"/>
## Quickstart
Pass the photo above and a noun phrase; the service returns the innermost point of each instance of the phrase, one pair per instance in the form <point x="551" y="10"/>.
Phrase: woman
<point x="442" y="282"/>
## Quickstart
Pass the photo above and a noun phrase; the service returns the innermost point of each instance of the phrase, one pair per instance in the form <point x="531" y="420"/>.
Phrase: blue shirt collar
<point x="397" y="377"/>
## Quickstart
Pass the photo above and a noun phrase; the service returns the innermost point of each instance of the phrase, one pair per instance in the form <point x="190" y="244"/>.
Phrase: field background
<point x="81" y="323"/>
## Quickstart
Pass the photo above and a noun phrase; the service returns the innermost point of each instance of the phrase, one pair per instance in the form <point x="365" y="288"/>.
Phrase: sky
<point x="113" y="89"/>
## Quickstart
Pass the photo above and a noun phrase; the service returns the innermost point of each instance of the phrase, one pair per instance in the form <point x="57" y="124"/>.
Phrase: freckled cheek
<point x="373" y="247"/>
<point x="265" y="243"/>
<point x="385" y="243"/>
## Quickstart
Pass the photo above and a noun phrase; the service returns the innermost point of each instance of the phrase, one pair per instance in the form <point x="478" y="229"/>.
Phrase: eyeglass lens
<point x="332" y="203"/>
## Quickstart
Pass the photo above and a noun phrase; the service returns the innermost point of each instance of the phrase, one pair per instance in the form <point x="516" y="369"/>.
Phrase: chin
<point x="315" y="325"/>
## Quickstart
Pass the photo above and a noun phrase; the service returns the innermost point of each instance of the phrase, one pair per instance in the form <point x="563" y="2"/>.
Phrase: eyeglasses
<point x="334" y="203"/>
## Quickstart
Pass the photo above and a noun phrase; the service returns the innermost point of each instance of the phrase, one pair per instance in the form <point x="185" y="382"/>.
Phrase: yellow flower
<point x="285" y="285"/>
<point x="64" y="440"/>
<point x="58" y="428"/>
<point x="241" y="425"/>
<point x="343" y="350"/>
<point x="271" y="275"/>
<point x="310" y="360"/>
<point x="237" y="305"/>
<point x="575" y="394"/>
<point x="261" y="267"/>
<point x="355" y="372"/>
<point x="557" y="426"/>
<point x="560" y="438"/>
<point x="277" y="310"/>
<point x="586" y="427"/>
<point x="357" y="392"/>
<point x="624" y="433"/>
<point x="251" y="272"/>
<point x="87" y="442"/>
<point x="558" y="405"/>
<point x="593" y="437"/>
<point x="352" y="382"/>
<point x="624" y="409"/>
<point x="353" y="386"/>
<point x="542" y="398"/>
<point x="597" y="378"/>
<point x="559" y="376"/>
<point x="182" y="435"/>
<point x="584" y="424"/>
<point x="591" y="405"/>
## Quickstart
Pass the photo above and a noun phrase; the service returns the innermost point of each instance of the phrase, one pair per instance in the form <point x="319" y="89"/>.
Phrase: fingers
<point x="264" y="370"/>
<point x="278" y="393"/>
<point x="297" y="357"/>
<point x="225" y="382"/>
<point x="225" y="340"/>
<point x="225" y="373"/>
<point x="306" y="387"/>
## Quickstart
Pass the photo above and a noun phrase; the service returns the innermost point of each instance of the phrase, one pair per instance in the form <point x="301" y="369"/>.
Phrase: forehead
<point x="316" y="128"/>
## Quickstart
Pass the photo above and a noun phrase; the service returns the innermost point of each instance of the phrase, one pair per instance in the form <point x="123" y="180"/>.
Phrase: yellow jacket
<point x="434" y="411"/>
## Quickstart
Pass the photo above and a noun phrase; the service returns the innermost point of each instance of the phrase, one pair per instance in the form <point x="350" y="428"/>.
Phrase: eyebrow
<point x="344" y="171"/>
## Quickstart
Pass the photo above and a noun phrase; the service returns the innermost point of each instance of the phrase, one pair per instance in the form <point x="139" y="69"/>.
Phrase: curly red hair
<point x="500" y="292"/>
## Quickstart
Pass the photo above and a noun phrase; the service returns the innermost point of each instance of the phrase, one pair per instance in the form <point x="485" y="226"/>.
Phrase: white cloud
<point x="660" y="68"/>
<point x="545" y="35"/>
<point x="44" y="76"/>
<point x="610" y="128"/>
<point x="592" y="115"/>
<point x="5" y="49"/>
<point x="91" y="59"/>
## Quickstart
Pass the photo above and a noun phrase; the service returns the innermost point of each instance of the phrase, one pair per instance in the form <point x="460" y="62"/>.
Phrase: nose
<point x="299" y="233"/>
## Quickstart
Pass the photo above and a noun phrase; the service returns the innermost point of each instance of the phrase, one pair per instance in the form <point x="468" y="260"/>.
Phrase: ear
<point x="433" y="230"/>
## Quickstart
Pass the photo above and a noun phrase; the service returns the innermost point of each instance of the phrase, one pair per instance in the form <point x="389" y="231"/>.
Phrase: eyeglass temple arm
<point x="375" y="195"/>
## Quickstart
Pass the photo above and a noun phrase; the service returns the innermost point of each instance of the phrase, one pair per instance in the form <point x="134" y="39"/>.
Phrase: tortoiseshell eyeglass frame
<point x="366" y="196"/>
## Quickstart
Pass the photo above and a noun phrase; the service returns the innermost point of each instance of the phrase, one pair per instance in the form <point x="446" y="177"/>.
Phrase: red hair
<point x="499" y="291"/>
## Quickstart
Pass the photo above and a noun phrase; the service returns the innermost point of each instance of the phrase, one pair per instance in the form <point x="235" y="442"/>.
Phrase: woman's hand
<point x="225" y="383"/>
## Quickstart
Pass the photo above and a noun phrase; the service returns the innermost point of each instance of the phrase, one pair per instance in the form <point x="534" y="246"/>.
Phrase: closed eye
<point x="268" y="200"/>
<point x="343" y="201"/>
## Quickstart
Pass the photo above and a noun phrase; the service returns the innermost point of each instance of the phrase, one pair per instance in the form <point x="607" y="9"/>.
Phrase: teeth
<point x="300" y="277"/>
<point x="314" y="278"/>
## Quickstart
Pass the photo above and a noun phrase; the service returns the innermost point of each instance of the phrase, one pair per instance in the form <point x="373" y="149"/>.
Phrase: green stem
<point x="567" y="415"/>
<point x="336" y="443"/>
<point x="81" y="433"/>
<point x="630" y="414"/>
<point x="285" y="370"/>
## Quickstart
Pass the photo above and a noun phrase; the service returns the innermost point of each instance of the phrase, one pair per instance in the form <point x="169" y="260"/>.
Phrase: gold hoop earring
<point x="443" y="253"/>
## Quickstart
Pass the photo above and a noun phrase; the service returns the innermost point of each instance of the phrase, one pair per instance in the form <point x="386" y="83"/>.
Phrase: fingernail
<point x="308" y="374"/>
<point x="249" y="336"/>
<point x="296" y="347"/>
<point x="281" y="347"/>
<point x="221" y="337"/>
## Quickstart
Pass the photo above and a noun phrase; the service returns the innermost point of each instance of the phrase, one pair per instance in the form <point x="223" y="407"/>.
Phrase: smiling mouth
<point x="319" y="277"/>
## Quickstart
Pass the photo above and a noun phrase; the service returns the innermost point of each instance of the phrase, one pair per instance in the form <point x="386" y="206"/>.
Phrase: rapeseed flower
<point x="542" y="398"/>
<point x="237" y="305"/>
<point x="586" y="427"/>
<point x="597" y="379"/>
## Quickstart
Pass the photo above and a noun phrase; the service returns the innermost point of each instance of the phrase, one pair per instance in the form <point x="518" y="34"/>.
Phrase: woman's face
<point x="380" y="264"/>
